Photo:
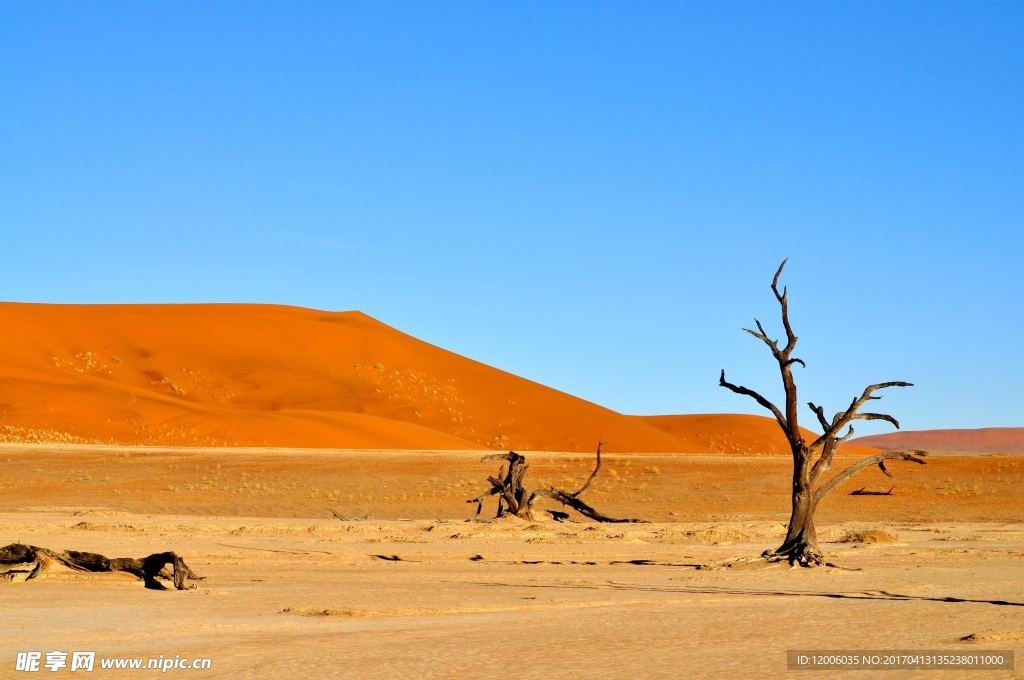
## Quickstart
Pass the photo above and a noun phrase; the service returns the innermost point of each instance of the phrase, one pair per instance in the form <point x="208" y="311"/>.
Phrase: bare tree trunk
<point x="801" y="544"/>
<point x="811" y="460"/>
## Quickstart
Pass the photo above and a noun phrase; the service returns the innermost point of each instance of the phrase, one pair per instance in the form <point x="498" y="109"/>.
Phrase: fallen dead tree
<point x="19" y="558"/>
<point x="513" y="499"/>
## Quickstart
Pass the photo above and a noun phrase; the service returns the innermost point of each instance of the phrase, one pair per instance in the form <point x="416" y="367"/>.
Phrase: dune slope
<point x="268" y="375"/>
<point x="737" y="433"/>
<point x="982" y="440"/>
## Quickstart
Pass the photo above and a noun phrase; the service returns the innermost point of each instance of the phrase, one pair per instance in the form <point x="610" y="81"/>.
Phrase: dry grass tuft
<point x="868" y="536"/>
<point x="315" y="611"/>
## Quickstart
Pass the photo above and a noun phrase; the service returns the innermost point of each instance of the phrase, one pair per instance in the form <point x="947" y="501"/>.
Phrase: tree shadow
<point x="882" y="595"/>
<point x="590" y="563"/>
<point x="655" y="563"/>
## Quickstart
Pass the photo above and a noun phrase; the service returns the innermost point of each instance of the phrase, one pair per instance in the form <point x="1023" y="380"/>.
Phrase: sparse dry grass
<point x="867" y="535"/>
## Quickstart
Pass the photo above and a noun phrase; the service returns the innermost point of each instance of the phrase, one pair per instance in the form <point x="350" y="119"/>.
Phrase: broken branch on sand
<point x="18" y="558"/>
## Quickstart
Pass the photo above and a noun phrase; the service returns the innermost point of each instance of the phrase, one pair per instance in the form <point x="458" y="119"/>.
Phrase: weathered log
<point x="576" y="504"/>
<point x="508" y="486"/>
<point x="33" y="560"/>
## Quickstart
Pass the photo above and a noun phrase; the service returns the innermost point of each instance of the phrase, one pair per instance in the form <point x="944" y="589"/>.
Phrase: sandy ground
<point x="421" y="589"/>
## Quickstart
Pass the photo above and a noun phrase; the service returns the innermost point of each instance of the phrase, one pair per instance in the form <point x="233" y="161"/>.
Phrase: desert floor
<point x="369" y="564"/>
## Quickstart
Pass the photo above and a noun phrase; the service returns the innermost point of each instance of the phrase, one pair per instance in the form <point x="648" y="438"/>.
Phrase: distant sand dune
<point x="266" y="375"/>
<point x="983" y="440"/>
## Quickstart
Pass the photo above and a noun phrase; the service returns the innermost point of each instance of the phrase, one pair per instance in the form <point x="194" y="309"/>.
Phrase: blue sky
<point x="591" y="195"/>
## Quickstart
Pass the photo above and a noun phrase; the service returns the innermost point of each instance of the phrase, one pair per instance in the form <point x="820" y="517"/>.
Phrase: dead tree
<point x="19" y="559"/>
<point x="513" y="499"/>
<point x="812" y="459"/>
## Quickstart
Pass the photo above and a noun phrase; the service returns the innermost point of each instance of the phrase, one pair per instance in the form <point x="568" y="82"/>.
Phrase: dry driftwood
<point x="812" y="459"/>
<point x="513" y="499"/>
<point x="19" y="558"/>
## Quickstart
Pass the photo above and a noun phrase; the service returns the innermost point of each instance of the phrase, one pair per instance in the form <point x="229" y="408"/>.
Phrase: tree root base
<point x="801" y="556"/>
<point x="769" y="559"/>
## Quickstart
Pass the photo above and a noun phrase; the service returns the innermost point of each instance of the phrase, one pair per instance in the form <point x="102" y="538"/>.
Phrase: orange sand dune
<point x="266" y="375"/>
<point x="983" y="440"/>
<point x="736" y="433"/>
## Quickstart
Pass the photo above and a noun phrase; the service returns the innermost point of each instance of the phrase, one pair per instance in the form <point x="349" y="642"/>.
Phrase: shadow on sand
<point x="710" y="590"/>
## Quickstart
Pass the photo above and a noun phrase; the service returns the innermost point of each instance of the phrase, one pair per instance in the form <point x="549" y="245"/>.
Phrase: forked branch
<point x="783" y="299"/>
<point x="844" y="418"/>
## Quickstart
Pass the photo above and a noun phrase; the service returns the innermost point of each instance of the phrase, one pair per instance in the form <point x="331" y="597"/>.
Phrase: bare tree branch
<point x="593" y="474"/>
<point x="576" y="504"/>
<point x="851" y="412"/>
<point x="775" y="281"/>
<point x="821" y="415"/>
<point x="915" y="456"/>
<point x="738" y="389"/>
<point x="877" y="416"/>
<point x="479" y="500"/>
<point x="510" y="456"/>
<point x="783" y="299"/>
<point x="761" y="335"/>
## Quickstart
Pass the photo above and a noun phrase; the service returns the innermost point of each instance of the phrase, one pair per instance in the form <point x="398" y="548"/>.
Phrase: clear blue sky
<point x="591" y="195"/>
